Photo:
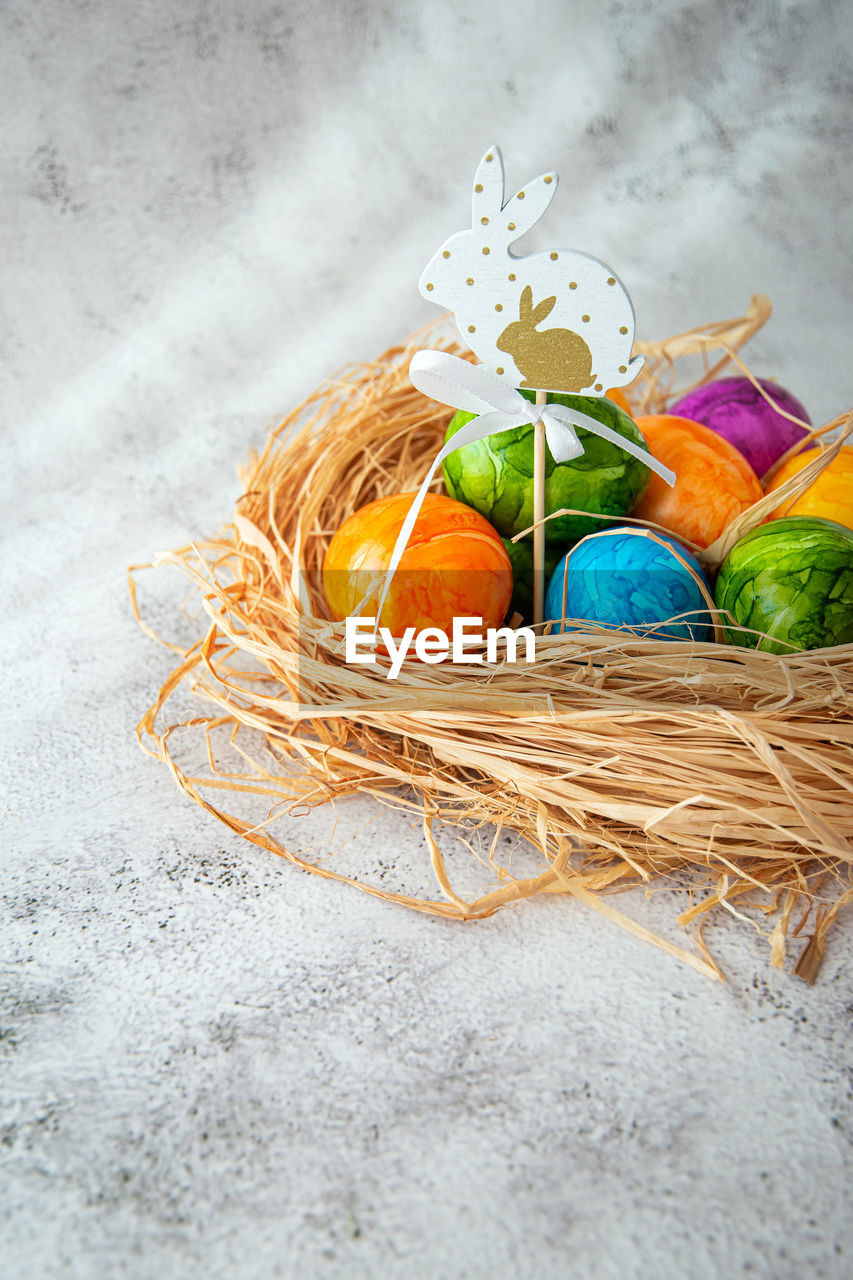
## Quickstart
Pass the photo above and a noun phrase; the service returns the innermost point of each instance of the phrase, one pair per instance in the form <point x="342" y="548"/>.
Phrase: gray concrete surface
<point x="213" y="1064"/>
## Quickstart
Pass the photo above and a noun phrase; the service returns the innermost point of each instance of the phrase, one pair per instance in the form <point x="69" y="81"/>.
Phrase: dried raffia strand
<point x="624" y="760"/>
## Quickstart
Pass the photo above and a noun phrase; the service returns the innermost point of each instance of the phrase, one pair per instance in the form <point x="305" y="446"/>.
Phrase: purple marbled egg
<point x="734" y="409"/>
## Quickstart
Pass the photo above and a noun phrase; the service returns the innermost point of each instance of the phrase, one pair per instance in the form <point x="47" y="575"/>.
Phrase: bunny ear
<point x="527" y="206"/>
<point x="525" y="303"/>
<point x="488" y="194"/>
<point x="543" y="309"/>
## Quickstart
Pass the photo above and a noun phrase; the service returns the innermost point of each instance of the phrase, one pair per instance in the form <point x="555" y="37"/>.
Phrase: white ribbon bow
<point x="500" y="407"/>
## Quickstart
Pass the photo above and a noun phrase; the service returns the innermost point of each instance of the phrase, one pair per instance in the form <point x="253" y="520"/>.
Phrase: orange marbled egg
<point x="617" y="395"/>
<point x="714" y="482"/>
<point x="455" y="565"/>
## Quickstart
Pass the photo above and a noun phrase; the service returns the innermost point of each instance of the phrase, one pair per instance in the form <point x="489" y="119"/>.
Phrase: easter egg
<point x="495" y="476"/>
<point x="792" y="580"/>
<point x="454" y="565"/>
<point x="829" y="496"/>
<point x="714" y="482"/>
<point x="737" y="411"/>
<point x="521" y="558"/>
<point x="625" y="578"/>
<point x="617" y="395"/>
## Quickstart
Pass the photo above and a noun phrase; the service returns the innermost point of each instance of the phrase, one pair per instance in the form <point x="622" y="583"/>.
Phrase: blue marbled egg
<point x="624" y="579"/>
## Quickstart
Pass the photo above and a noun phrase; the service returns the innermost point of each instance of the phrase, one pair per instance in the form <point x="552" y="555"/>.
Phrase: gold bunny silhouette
<point x="555" y="359"/>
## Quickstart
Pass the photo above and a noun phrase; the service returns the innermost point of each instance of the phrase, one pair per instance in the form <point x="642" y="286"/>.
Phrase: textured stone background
<point x="211" y="1063"/>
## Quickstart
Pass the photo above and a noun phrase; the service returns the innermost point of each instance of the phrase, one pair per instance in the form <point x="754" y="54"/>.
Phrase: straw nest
<point x="723" y="773"/>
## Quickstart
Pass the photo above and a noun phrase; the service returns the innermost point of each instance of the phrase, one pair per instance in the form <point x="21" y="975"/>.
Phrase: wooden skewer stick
<point x="539" y="515"/>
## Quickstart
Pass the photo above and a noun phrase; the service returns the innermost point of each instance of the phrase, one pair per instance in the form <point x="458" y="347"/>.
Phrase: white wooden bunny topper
<point x="500" y="300"/>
